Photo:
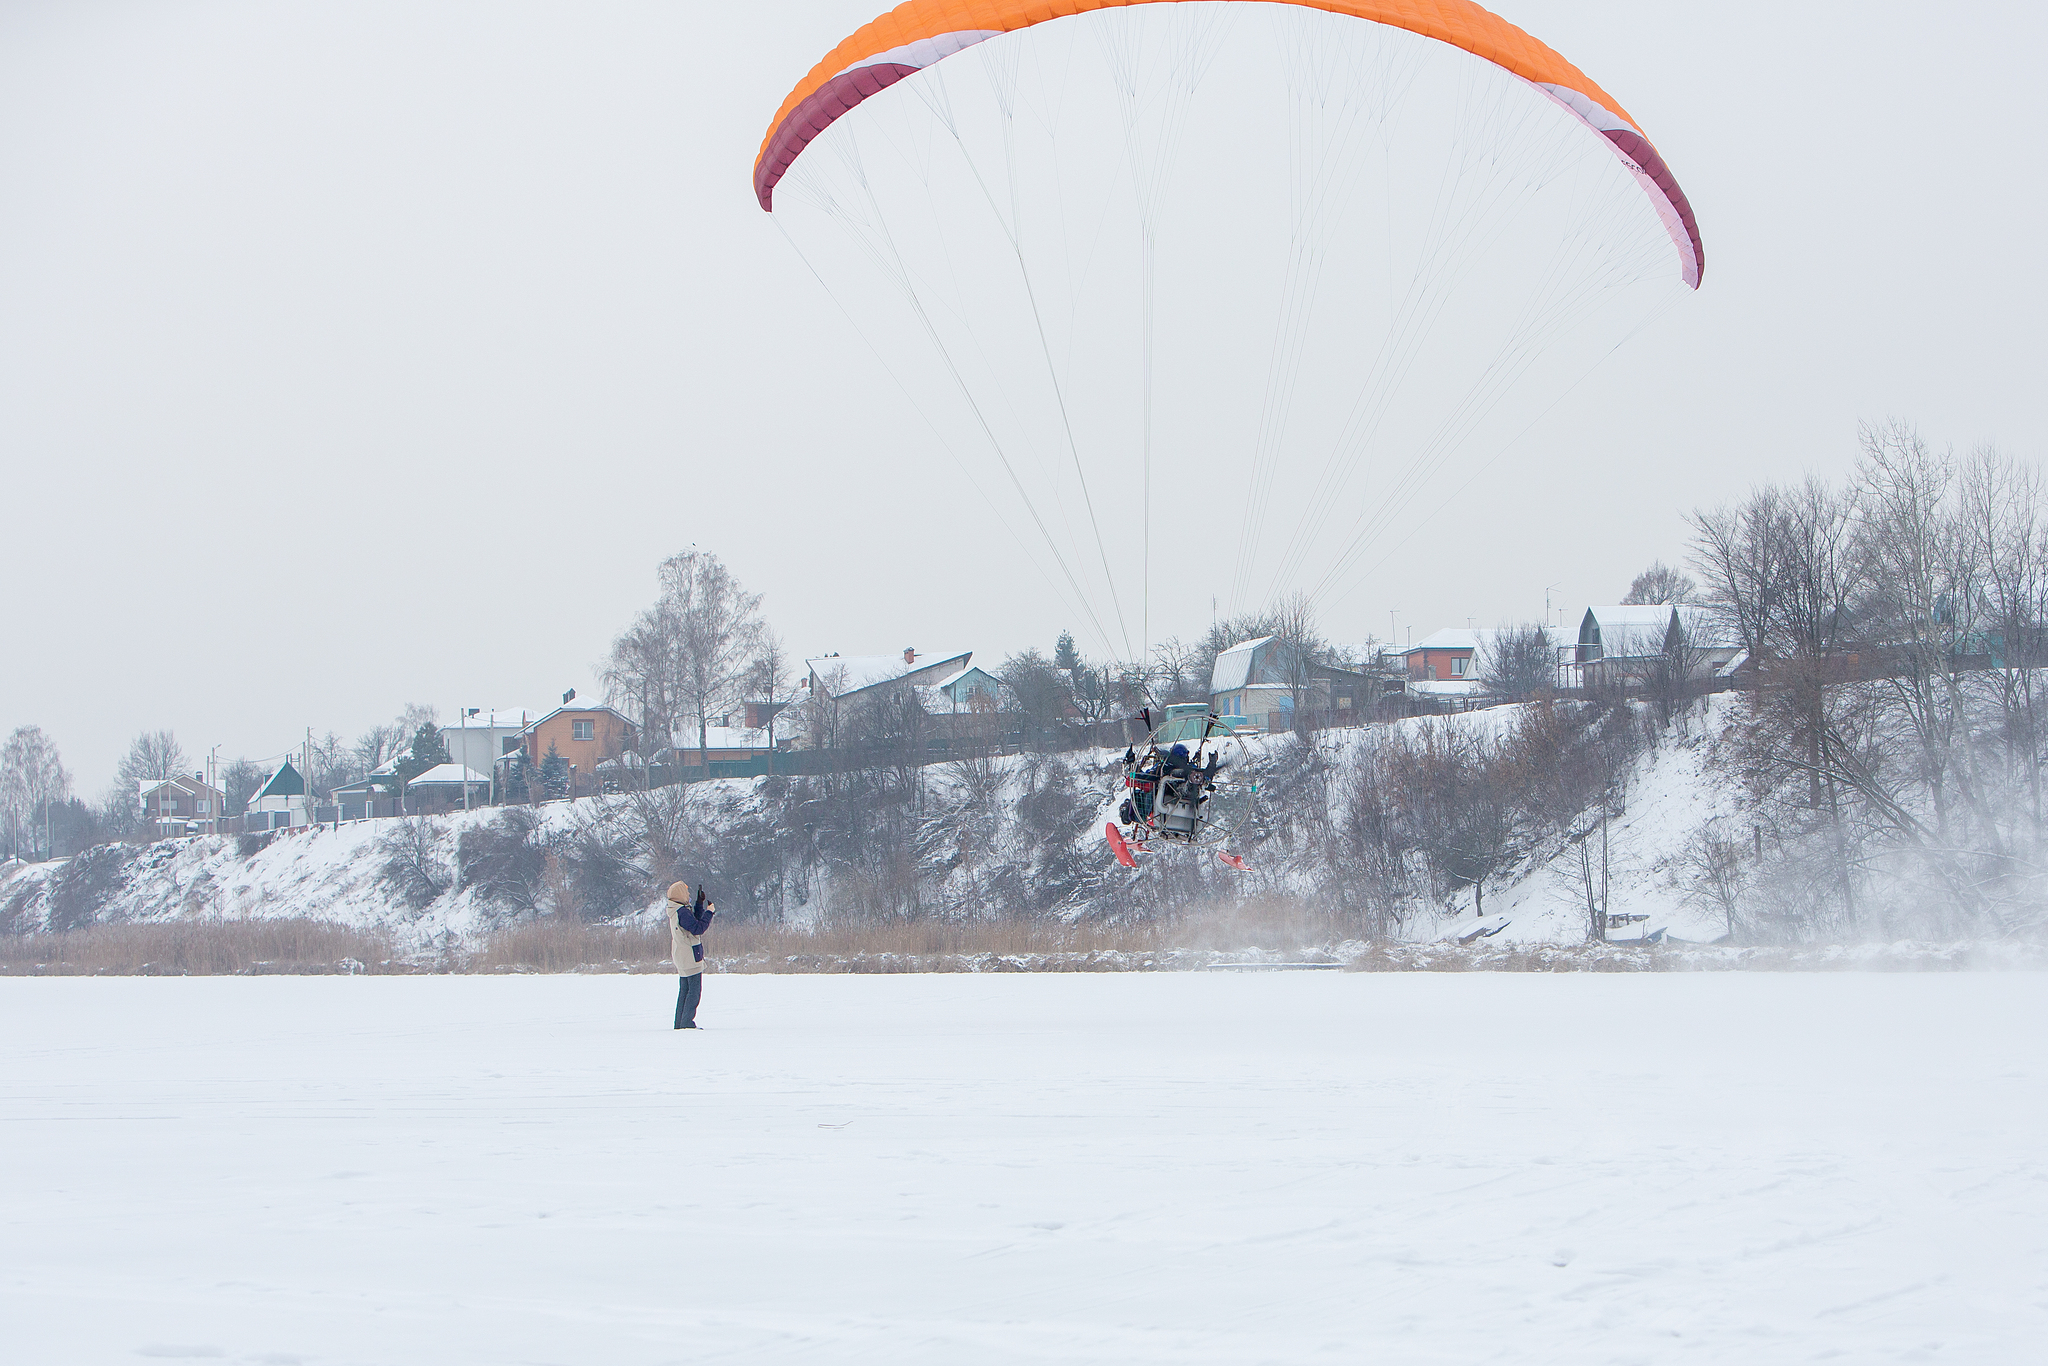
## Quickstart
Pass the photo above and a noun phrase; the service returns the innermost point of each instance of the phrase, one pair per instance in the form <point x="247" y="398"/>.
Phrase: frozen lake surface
<point x="1214" y="1167"/>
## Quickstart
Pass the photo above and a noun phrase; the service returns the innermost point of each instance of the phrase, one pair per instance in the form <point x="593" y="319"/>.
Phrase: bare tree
<point x="379" y="745"/>
<point x="2003" y="514"/>
<point x="1175" y="673"/>
<point x="413" y="715"/>
<point x="1895" y="622"/>
<point x="722" y="629"/>
<point x="690" y="654"/>
<point x="1041" y="694"/>
<point x="1737" y="550"/>
<point x="239" y="783"/>
<point x="1517" y="662"/>
<point x="1923" y="600"/>
<point x="644" y="676"/>
<point x="768" y="679"/>
<point x="1716" y="876"/>
<point x="414" y="866"/>
<point x="1658" y="585"/>
<point x="154" y="755"/>
<point x="334" y="763"/>
<point x="32" y="779"/>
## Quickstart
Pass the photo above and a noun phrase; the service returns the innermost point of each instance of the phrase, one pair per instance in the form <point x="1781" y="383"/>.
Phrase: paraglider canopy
<point x="919" y="33"/>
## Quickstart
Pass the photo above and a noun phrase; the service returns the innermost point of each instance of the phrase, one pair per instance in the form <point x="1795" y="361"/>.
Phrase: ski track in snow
<point x="1196" y="1167"/>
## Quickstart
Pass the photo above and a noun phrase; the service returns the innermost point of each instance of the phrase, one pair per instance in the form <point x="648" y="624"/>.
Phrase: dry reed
<point x="1275" y="935"/>
<point x="198" y="948"/>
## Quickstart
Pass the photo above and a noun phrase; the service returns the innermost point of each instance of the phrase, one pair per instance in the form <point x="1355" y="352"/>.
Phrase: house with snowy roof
<point x="373" y="795"/>
<point x="446" y="787"/>
<point x="587" y="736"/>
<point x="721" y="745"/>
<point x="1262" y="682"/>
<point x="280" y="802"/>
<point x="180" y="805"/>
<point x="834" y="682"/>
<point x="972" y="689"/>
<point x="840" y="677"/>
<point x="1626" y="644"/>
<point x="1452" y="655"/>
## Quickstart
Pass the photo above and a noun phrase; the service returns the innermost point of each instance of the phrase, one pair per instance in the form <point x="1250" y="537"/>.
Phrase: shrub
<point x="505" y="859"/>
<point x="413" y="868"/>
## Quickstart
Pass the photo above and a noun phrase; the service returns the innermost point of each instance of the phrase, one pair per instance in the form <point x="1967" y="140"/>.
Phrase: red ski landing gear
<point x="1126" y="851"/>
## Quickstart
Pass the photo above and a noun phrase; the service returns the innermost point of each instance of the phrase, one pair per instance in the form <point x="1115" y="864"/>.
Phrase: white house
<point x="1257" y="682"/>
<point x="1625" y="642"/>
<point x="1249" y="681"/>
<point x="280" y="802"/>
<point x="477" y="741"/>
<point x="972" y="689"/>
<point x="841" y="676"/>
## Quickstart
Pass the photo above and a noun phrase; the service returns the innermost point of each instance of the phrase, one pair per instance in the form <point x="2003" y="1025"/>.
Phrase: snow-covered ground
<point x="1201" y="1167"/>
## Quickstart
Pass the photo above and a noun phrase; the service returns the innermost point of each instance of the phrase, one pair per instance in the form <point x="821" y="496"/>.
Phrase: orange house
<point x="1448" y="656"/>
<point x="585" y="736"/>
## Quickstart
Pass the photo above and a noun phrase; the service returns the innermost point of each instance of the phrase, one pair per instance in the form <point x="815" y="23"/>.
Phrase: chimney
<point x="909" y="655"/>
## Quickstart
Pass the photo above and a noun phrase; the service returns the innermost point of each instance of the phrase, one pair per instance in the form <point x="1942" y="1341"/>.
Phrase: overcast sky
<point x="361" y="354"/>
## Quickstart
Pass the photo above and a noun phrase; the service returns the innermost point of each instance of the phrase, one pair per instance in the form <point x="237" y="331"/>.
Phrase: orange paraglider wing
<point x="918" y="33"/>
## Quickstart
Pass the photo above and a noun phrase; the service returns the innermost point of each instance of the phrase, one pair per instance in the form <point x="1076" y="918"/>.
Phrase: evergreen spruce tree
<point x="427" y="752"/>
<point x="1066" y="657"/>
<point x="554" y="773"/>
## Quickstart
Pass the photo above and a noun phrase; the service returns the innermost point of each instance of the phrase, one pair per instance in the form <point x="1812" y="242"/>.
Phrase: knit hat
<point x="679" y="892"/>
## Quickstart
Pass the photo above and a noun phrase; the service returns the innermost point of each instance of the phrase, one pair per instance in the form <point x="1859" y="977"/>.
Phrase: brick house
<point x="585" y="736"/>
<point x="181" y="806"/>
<point x="1448" y="656"/>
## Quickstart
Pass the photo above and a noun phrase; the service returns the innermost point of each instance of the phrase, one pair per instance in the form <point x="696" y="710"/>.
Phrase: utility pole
<point x="467" y="712"/>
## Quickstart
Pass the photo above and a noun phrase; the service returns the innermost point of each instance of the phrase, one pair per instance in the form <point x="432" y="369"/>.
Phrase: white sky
<point x="360" y="354"/>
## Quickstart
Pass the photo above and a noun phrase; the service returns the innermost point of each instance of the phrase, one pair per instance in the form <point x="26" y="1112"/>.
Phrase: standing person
<point x="687" y="921"/>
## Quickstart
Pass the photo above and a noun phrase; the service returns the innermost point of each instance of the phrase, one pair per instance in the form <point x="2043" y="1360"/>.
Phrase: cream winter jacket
<point x="688" y="947"/>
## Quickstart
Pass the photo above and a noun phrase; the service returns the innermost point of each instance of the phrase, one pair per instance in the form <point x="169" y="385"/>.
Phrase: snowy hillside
<point x="1019" y="835"/>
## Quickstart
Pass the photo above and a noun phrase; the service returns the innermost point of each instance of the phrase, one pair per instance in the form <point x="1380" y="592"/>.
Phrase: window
<point x="1458" y="667"/>
<point x="583" y="730"/>
<point x="199" y="807"/>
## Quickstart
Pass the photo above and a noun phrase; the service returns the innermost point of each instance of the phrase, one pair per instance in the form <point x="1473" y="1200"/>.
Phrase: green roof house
<point x="280" y="802"/>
